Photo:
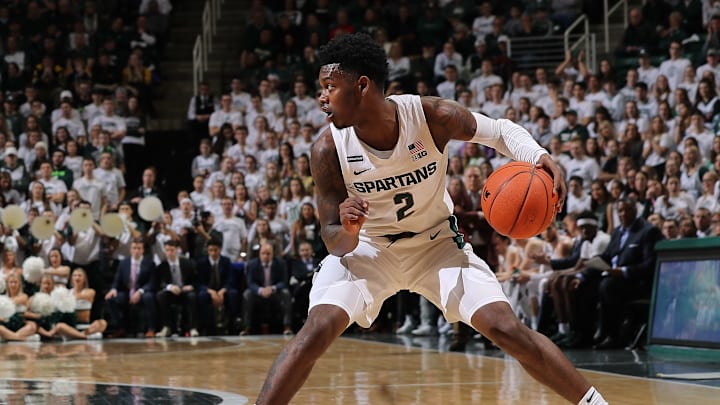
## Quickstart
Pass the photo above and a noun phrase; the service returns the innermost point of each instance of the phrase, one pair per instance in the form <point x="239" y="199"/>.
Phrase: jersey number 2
<point x="407" y="200"/>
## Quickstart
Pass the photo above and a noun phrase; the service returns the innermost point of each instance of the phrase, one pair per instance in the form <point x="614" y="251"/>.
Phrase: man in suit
<point x="216" y="288"/>
<point x="473" y="221"/>
<point x="148" y="187"/>
<point x="175" y="285"/>
<point x="267" y="281"/>
<point x="302" y="270"/>
<point x="631" y="257"/>
<point x="132" y="286"/>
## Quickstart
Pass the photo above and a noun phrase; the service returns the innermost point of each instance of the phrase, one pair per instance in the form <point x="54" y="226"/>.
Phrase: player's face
<point x="340" y="96"/>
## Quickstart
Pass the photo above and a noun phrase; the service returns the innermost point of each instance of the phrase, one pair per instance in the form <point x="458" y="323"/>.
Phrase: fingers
<point x="560" y="190"/>
<point x="353" y="209"/>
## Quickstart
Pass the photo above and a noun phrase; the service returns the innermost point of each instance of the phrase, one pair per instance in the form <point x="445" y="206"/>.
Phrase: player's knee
<point x="322" y="327"/>
<point x="498" y="323"/>
<point x="502" y="333"/>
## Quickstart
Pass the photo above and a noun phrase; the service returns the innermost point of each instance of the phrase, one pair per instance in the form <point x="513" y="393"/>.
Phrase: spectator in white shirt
<point x="303" y="144"/>
<point x="110" y="122"/>
<point x="233" y="230"/>
<point x="206" y="162"/>
<point x="447" y="57"/>
<point x="647" y="107"/>
<point x="240" y="98"/>
<point x="74" y="125"/>
<point x="65" y="95"/>
<point x="113" y="179"/>
<point x="270" y="98"/>
<point x="585" y="108"/>
<point x="55" y="189"/>
<point x="495" y="107"/>
<point x="199" y="196"/>
<point x="712" y="58"/>
<point x="577" y="200"/>
<point x="223" y="175"/>
<point x="258" y="109"/>
<point x="93" y="109"/>
<point x="674" y="68"/>
<point x="241" y="148"/>
<point x="482" y="24"/>
<point x="446" y="88"/>
<point x="647" y="73"/>
<point x="480" y="84"/>
<point x="224" y="115"/>
<point x="304" y="103"/>
<point x="91" y="189"/>
<point x="580" y="165"/>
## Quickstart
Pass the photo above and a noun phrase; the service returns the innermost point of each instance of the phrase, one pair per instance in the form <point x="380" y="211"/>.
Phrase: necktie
<point x="268" y="282"/>
<point x="177" y="279"/>
<point x="133" y="276"/>
<point x="214" y="277"/>
<point x="623" y="239"/>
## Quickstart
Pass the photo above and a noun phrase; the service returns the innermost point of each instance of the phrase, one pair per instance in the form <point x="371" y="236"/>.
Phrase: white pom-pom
<point x="3" y="285"/>
<point x="33" y="269"/>
<point x="42" y="304"/>
<point x="7" y="307"/>
<point x="63" y="299"/>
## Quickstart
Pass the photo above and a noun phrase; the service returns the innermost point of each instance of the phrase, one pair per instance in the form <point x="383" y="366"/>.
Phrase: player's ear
<point x="363" y="82"/>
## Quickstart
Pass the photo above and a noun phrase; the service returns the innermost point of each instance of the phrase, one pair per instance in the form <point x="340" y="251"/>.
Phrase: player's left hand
<point x="547" y="163"/>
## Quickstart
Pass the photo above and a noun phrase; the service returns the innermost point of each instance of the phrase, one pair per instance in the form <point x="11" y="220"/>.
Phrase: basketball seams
<point x="524" y="200"/>
<point x="499" y="191"/>
<point x="499" y="183"/>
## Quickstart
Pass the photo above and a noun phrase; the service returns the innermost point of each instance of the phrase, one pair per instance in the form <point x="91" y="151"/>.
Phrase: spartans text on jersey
<point x="401" y="180"/>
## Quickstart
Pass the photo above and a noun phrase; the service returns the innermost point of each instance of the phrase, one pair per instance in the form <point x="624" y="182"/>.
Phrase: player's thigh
<point x="459" y="283"/>
<point x="360" y="292"/>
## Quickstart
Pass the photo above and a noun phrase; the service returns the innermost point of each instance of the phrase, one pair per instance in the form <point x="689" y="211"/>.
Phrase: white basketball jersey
<point x="405" y="187"/>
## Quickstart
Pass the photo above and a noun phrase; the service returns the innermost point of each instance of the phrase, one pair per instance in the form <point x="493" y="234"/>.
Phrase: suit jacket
<point x="256" y="274"/>
<point x="164" y="278"/>
<point x="300" y="270"/>
<point x="638" y="252"/>
<point x="140" y="192"/>
<point x="204" y="272"/>
<point x="570" y="261"/>
<point x="469" y="219"/>
<point x="121" y="282"/>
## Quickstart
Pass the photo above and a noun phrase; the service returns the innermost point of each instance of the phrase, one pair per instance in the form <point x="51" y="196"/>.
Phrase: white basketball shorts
<point x="430" y="263"/>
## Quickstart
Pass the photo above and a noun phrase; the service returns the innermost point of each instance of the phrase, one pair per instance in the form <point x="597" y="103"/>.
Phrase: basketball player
<point x="386" y="220"/>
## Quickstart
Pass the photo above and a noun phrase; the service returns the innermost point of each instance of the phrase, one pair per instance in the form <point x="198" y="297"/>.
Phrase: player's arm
<point x="449" y="120"/>
<point x="341" y="217"/>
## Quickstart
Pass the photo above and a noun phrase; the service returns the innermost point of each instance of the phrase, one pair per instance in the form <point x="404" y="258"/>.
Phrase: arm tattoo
<point x="448" y="119"/>
<point x="329" y="183"/>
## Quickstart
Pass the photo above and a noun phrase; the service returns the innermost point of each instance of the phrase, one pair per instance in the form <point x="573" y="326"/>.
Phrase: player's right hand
<point x="353" y="213"/>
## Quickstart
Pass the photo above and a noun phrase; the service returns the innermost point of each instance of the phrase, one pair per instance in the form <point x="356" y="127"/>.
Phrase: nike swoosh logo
<point x="360" y="172"/>
<point x="590" y="397"/>
<point x="432" y="237"/>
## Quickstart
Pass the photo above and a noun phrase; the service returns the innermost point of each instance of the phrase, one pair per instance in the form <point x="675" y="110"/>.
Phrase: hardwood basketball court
<point x="384" y="370"/>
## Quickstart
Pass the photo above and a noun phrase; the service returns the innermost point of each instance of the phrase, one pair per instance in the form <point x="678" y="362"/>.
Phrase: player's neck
<point x="379" y="126"/>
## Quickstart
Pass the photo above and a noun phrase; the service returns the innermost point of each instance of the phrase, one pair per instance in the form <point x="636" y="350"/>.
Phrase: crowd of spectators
<point x="235" y="251"/>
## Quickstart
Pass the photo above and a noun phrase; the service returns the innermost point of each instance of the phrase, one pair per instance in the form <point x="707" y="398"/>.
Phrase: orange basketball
<point x="518" y="200"/>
